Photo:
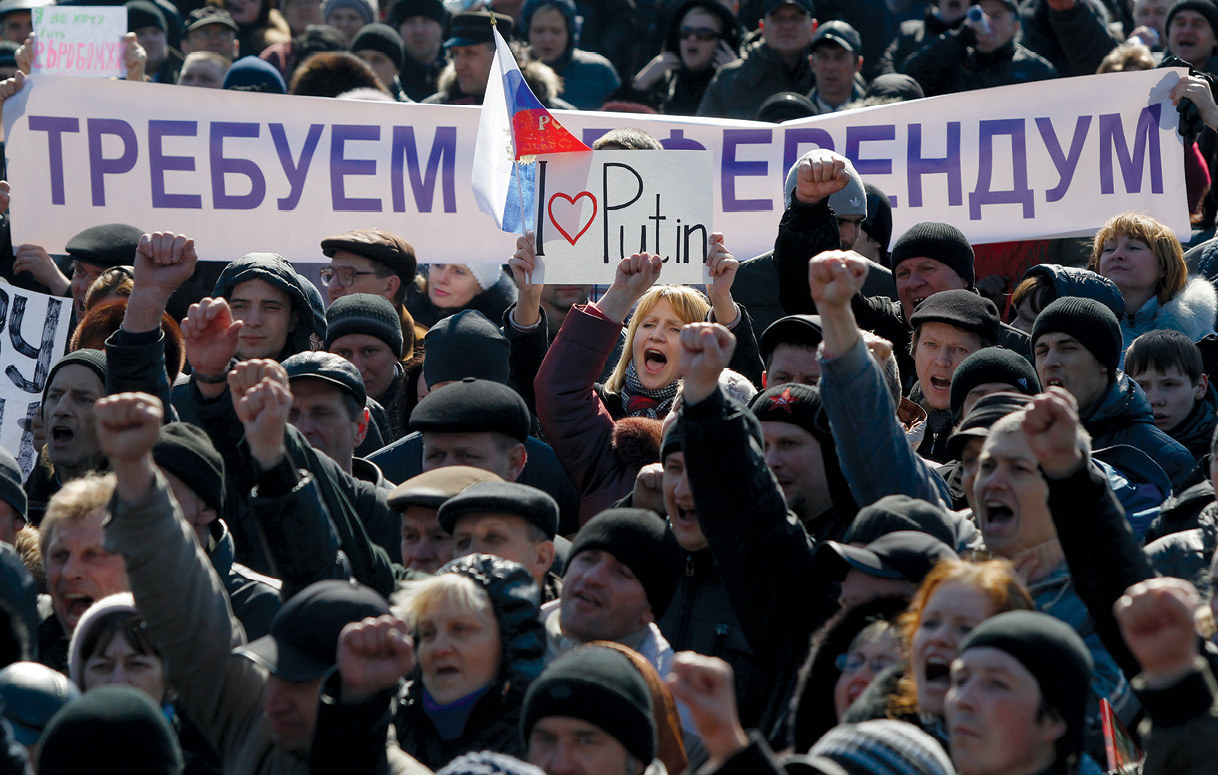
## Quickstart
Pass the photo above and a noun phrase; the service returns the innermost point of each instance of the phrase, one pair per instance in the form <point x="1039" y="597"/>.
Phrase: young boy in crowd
<point x="1167" y="366"/>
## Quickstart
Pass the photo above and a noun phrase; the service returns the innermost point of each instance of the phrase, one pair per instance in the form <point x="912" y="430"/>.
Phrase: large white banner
<point x="246" y="172"/>
<point x="33" y="334"/>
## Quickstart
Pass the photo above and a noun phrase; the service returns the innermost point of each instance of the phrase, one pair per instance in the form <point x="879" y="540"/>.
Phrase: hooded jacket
<point x="1123" y="416"/>
<point x="588" y="78"/>
<point x="1192" y="312"/>
<point x="914" y="34"/>
<point x="951" y="63"/>
<point x="1196" y="431"/>
<point x="276" y="270"/>
<point x="680" y="91"/>
<point x="1083" y="283"/>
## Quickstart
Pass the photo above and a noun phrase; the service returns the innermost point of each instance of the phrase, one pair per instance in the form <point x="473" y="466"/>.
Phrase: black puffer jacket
<point x="1083" y="283"/>
<point x="1123" y="416"/>
<point x="912" y="36"/>
<point x="273" y="268"/>
<point x="1196" y="431"/>
<point x="494" y="723"/>
<point x="351" y="737"/>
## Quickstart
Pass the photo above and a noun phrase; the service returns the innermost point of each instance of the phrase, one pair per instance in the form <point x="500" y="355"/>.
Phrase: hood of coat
<point x="1084" y="283"/>
<point x="277" y="271"/>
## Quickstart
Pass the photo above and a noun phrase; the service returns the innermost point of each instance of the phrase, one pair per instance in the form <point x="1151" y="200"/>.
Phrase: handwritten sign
<point x="35" y="332"/>
<point x="594" y="209"/>
<point x="80" y="40"/>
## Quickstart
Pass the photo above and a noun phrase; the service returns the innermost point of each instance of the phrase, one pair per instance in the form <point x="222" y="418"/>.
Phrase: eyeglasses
<point x="701" y="33"/>
<point x="852" y="663"/>
<point x="345" y="274"/>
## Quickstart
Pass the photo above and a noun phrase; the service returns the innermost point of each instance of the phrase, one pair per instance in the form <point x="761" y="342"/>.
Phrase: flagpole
<point x="512" y="124"/>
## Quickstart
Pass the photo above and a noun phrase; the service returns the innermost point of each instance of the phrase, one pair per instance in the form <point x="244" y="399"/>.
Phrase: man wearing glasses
<point x="371" y="261"/>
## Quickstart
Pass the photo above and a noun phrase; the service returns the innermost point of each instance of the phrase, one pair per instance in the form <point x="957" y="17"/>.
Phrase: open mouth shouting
<point x="654" y="360"/>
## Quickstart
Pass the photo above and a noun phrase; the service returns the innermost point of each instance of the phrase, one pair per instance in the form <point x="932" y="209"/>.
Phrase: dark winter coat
<point x="1196" y="431"/>
<point x="775" y="284"/>
<point x="740" y="87"/>
<point x="1074" y="41"/>
<point x="1123" y="416"/>
<point x="680" y="92"/>
<point x="951" y="64"/>
<point x="912" y="36"/>
<point x="587" y="76"/>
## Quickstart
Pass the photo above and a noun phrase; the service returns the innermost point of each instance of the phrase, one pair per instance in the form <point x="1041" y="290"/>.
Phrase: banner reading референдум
<point x="246" y="172"/>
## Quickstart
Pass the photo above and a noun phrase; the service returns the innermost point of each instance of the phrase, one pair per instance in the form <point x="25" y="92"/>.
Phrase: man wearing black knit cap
<point x="1192" y="32"/>
<point x="1078" y="346"/>
<point x="990" y="370"/>
<point x="590" y="712"/>
<point x="72" y="450"/>
<point x="364" y="329"/>
<point x="619" y="580"/>
<point x="13" y="502"/>
<point x="1037" y="724"/>
<point x="381" y="48"/>
<point x="421" y="24"/>
<point x="194" y="471"/>
<point x="150" y="28"/>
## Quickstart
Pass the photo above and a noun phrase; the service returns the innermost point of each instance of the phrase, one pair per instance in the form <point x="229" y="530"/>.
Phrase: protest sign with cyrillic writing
<point x="80" y="40"/>
<point x="594" y="209"/>
<point x="246" y="172"/>
<point x="35" y="332"/>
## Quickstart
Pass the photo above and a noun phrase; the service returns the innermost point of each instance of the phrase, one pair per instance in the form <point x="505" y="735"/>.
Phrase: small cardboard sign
<point x="80" y="40"/>
<point x="594" y="209"/>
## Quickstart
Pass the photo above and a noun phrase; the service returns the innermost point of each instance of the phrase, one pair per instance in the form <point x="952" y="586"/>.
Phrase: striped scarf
<point x="638" y="401"/>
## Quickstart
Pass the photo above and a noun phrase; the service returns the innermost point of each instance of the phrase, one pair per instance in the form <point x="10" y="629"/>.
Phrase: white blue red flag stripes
<point x="514" y="127"/>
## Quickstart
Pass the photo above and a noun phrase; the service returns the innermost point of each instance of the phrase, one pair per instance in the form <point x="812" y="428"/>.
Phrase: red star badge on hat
<point x="783" y="401"/>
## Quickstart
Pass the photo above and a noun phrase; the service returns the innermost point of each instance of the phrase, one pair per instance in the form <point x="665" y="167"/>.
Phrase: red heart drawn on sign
<point x="572" y="201"/>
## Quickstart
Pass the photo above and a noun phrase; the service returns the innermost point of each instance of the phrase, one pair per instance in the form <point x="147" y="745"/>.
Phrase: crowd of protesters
<point x="858" y="506"/>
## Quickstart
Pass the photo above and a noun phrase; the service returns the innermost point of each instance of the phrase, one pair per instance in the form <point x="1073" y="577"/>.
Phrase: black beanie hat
<point x="365" y="313"/>
<point x="598" y="685"/>
<point x="963" y="309"/>
<point x="793" y="403"/>
<point x="992" y="364"/>
<point x="404" y="9"/>
<point x="977" y="423"/>
<point x="878" y="223"/>
<point x="186" y="451"/>
<point x="108" y="245"/>
<point x="1203" y="7"/>
<point x="472" y="406"/>
<point x="11" y="491"/>
<point x="1088" y="321"/>
<point x="110" y="729"/>
<point x="95" y="360"/>
<point x="466" y="344"/>
<point x="641" y="540"/>
<point x="142" y="13"/>
<point x="382" y="38"/>
<point x="940" y="241"/>
<point x="1052" y="652"/>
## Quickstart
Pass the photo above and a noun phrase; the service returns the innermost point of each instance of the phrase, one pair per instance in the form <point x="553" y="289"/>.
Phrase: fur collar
<point x="1192" y="312"/>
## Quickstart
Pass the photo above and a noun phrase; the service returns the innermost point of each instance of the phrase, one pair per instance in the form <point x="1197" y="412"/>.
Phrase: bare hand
<point x="649" y="488"/>
<point x="721" y="265"/>
<point x="373" y="655"/>
<point x="706" y="686"/>
<point x="834" y="276"/>
<point x="879" y="347"/>
<point x="247" y="374"/>
<point x="1054" y="433"/>
<point x="820" y="174"/>
<point x="211" y="335"/>
<point x="656" y="69"/>
<point x="706" y="350"/>
<point x="11" y="86"/>
<point x="6" y="192"/>
<point x="634" y="276"/>
<point x="264" y="410"/>
<point x="25" y="55"/>
<point x="1156" y="619"/>
<point x="163" y="261"/>
<point x="128" y="425"/>
<point x="135" y="59"/>
<point x="1197" y="89"/>
<point x="724" y="55"/>
<point x="35" y="260"/>
<point x="523" y="263"/>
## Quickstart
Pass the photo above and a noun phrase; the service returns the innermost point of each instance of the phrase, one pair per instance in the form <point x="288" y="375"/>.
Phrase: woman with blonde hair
<point x="577" y="415"/>
<point x="1145" y="260"/>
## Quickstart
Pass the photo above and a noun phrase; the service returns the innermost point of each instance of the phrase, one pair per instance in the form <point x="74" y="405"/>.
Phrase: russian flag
<point x="513" y="127"/>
